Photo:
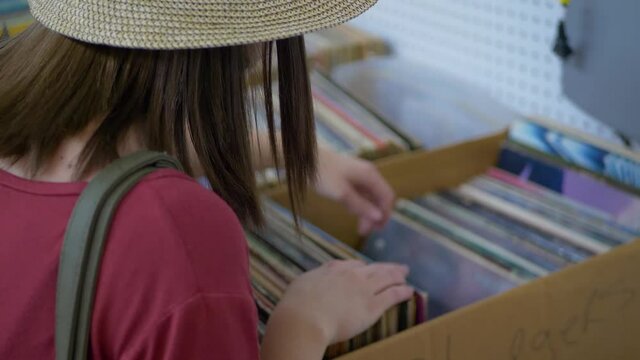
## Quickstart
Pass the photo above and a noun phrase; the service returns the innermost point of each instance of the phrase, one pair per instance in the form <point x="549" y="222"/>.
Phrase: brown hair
<point x="53" y="87"/>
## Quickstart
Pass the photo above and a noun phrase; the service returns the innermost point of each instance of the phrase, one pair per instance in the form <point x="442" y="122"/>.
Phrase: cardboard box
<point x="589" y="311"/>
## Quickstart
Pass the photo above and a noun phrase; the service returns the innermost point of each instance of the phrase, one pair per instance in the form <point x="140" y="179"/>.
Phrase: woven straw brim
<point x="189" y="24"/>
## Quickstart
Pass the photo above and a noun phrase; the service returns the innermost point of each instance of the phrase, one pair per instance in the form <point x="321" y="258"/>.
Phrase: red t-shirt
<point x="174" y="281"/>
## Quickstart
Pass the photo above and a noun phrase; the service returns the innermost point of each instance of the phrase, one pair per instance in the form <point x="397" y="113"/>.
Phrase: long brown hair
<point x="53" y="87"/>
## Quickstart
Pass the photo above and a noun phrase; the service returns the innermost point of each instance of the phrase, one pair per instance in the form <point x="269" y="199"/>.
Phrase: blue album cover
<point x="575" y="152"/>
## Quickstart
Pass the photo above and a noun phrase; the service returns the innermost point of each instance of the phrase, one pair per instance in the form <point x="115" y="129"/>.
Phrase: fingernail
<point x="376" y="215"/>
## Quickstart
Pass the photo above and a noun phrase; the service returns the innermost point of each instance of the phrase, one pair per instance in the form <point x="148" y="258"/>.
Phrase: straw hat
<point x="186" y="24"/>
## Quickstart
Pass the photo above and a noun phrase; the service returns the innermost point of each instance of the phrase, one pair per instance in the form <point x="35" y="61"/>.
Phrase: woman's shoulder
<point x="175" y="254"/>
<point x="181" y="196"/>
<point x="173" y="197"/>
<point x="170" y="221"/>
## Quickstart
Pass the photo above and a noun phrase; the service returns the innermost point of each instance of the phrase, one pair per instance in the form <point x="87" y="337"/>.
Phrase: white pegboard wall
<point x="503" y="46"/>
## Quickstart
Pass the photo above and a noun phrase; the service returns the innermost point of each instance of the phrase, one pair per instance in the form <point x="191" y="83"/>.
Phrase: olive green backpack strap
<point x="84" y="243"/>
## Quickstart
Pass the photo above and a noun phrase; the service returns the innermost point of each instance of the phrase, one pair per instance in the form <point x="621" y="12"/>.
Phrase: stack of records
<point x="519" y="221"/>
<point x="347" y="126"/>
<point x="14" y="18"/>
<point x="344" y="125"/>
<point x="279" y="253"/>
<point x="342" y="44"/>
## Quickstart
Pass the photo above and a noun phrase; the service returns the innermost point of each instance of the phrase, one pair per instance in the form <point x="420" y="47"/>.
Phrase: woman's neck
<point x="62" y="166"/>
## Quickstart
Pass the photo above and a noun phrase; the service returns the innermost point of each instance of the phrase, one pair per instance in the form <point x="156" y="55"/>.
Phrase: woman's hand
<point x="355" y="183"/>
<point x="333" y="303"/>
<point x="358" y="185"/>
<point x="344" y="298"/>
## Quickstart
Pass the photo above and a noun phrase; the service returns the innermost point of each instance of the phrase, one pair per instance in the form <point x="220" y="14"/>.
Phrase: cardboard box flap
<point x="590" y="311"/>
<point x="413" y="174"/>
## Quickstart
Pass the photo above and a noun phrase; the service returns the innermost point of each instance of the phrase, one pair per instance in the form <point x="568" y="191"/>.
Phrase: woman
<point x="94" y="81"/>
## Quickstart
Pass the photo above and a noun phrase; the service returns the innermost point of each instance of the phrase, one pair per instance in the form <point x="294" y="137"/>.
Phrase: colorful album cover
<point x="623" y="206"/>
<point x="576" y="152"/>
<point x="564" y="215"/>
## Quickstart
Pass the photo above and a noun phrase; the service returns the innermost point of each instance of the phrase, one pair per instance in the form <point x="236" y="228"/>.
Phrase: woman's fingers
<point x="390" y="297"/>
<point x="383" y="275"/>
<point x="371" y="182"/>
<point x="361" y="206"/>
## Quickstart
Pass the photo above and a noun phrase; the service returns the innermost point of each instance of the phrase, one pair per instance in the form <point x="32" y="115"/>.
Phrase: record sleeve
<point x="280" y="251"/>
<point x="585" y="225"/>
<point x="560" y="202"/>
<point x="507" y="209"/>
<point x="491" y="231"/>
<point x="548" y="242"/>
<point x="452" y="275"/>
<point x="502" y="257"/>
